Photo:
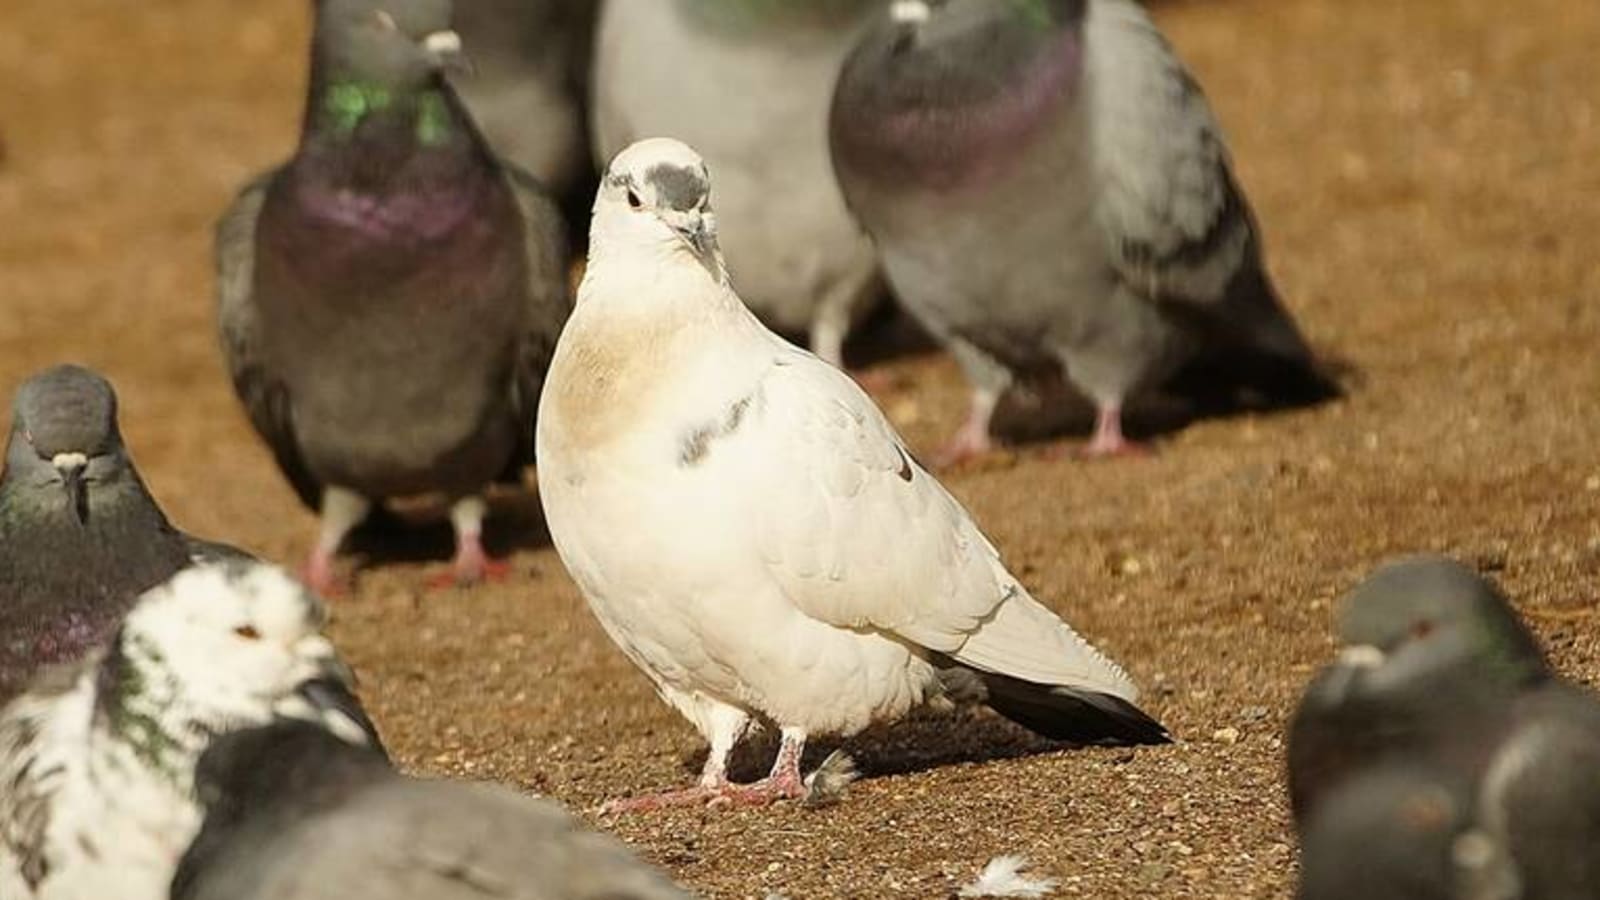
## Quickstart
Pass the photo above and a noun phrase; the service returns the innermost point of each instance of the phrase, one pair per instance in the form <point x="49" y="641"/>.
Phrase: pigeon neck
<point x="138" y="709"/>
<point x="368" y="132"/>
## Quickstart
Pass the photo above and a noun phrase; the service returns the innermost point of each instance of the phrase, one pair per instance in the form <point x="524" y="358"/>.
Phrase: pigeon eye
<point x="633" y="200"/>
<point x="248" y="632"/>
<point x="1422" y="628"/>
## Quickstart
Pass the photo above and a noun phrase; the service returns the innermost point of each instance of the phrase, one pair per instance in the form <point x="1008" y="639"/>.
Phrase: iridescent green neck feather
<point x="348" y="104"/>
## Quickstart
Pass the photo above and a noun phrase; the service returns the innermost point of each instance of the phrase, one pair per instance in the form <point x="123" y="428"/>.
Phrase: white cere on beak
<point x="442" y="43"/>
<point x="1361" y="656"/>
<point x="910" y="11"/>
<point x="68" y="461"/>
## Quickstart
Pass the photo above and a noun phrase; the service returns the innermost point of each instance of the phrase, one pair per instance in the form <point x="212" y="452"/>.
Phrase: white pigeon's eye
<point x="248" y="632"/>
<point x="385" y="21"/>
<point x="633" y="200"/>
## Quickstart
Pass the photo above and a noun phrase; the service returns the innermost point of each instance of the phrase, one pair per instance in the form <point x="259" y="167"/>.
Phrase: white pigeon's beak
<point x="694" y="229"/>
<point x="443" y="49"/>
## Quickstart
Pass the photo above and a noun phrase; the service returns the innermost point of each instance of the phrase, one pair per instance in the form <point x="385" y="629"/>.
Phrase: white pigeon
<point x="749" y="528"/>
<point x="98" y="760"/>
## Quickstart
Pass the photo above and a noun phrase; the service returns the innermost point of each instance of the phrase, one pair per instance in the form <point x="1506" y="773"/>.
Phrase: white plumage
<point x="747" y="525"/>
<point x="99" y="759"/>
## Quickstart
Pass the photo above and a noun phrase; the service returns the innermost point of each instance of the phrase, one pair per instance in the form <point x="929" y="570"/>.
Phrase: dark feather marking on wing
<point x="697" y="443"/>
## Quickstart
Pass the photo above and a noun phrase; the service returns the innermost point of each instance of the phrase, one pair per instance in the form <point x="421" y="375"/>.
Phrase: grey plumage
<point x="1432" y="645"/>
<point x="390" y="297"/>
<point x="529" y="87"/>
<point x="1401" y="833"/>
<point x="747" y="83"/>
<point x="1441" y="676"/>
<point x="295" y="814"/>
<point x="80" y="535"/>
<point x="1050" y="194"/>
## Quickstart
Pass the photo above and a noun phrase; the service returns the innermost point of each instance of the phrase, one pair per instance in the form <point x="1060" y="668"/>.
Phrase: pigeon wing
<point x="859" y="535"/>
<point x="265" y="397"/>
<point x="547" y="304"/>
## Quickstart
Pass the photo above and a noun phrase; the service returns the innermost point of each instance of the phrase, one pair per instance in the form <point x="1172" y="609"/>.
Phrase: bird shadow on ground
<point x="1047" y="407"/>
<point x="925" y="740"/>
<point x="419" y="531"/>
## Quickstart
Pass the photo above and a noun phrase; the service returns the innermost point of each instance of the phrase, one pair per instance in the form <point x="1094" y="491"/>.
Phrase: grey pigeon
<point x="751" y="531"/>
<point x="80" y="536"/>
<point x="294" y="813"/>
<point x="529" y="88"/>
<point x="1050" y="195"/>
<point x="98" y="758"/>
<point x="1429" y="645"/>
<point x="747" y="83"/>
<point x="1439" y="672"/>
<point x="389" y="298"/>
<point x="1402" y="833"/>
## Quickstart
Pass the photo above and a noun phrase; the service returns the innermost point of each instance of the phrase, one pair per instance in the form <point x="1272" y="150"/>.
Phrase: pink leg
<point x="1108" y="439"/>
<point x="471" y="564"/>
<point x="318" y="573"/>
<point x="784" y="783"/>
<point x="972" y="439"/>
<point x="342" y="510"/>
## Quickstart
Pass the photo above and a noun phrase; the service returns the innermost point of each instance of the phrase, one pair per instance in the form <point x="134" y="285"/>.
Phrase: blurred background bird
<point x="389" y="298"/>
<point x="747" y="83"/>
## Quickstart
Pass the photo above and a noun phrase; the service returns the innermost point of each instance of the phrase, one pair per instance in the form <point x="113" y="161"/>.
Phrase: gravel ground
<point x="1425" y="174"/>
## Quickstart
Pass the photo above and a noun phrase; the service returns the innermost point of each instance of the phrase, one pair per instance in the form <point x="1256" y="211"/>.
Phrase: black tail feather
<point x="1067" y="714"/>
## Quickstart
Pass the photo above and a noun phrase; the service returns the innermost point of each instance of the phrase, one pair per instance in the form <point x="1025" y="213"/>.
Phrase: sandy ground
<point x="1426" y="177"/>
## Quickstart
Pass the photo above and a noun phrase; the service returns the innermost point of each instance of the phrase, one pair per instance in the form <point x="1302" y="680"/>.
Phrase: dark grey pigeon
<point x="529" y="89"/>
<point x="80" y="536"/>
<point x="390" y="297"/>
<point x="1431" y="647"/>
<point x="294" y="813"/>
<point x="747" y="84"/>
<point x="1402" y="833"/>
<point x="1439" y="672"/>
<point x="1050" y="195"/>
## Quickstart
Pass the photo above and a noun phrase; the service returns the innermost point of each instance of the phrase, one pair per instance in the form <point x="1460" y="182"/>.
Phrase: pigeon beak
<point x="71" y="468"/>
<point x="443" y="49"/>
<point x="695" y="231"/>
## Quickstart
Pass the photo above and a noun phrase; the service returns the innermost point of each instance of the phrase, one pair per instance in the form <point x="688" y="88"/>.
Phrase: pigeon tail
<point x="1071" y="714"/>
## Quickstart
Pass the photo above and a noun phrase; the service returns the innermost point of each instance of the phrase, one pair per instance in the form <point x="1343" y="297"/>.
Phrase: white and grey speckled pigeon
<point x="529" y="86"/>
<point x="1439" y="672"/>
<point x="749" y="528"/>
<point x="80" y="536"/>
<point x="294" y="813"/>
<point x="1050" y="194"/>
<point x="98" y="759"/>
<point x="747" y="83"/>
<point x="390" y="297"/>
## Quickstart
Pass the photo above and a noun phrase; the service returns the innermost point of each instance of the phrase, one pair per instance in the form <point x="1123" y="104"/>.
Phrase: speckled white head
<point x="656" y="195"/>
<point x="232" y="643"/>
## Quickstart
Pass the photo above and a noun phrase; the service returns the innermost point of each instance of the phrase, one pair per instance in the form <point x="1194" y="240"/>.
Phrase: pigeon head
<point x="1434" y="607"/>
<point x="216" y="648"/>
<point x="657" y="193"/>
<point x="387" y="43"/>
<point x="64" y="435"/>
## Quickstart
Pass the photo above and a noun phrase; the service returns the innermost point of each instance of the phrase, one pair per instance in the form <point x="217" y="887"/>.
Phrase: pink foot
<point x="471" y="566"/>
<point x="759" y="793"/>
<point x="968" y="443"/>
<point x="1108" y="440"/>
<point x="318" y="574"/>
